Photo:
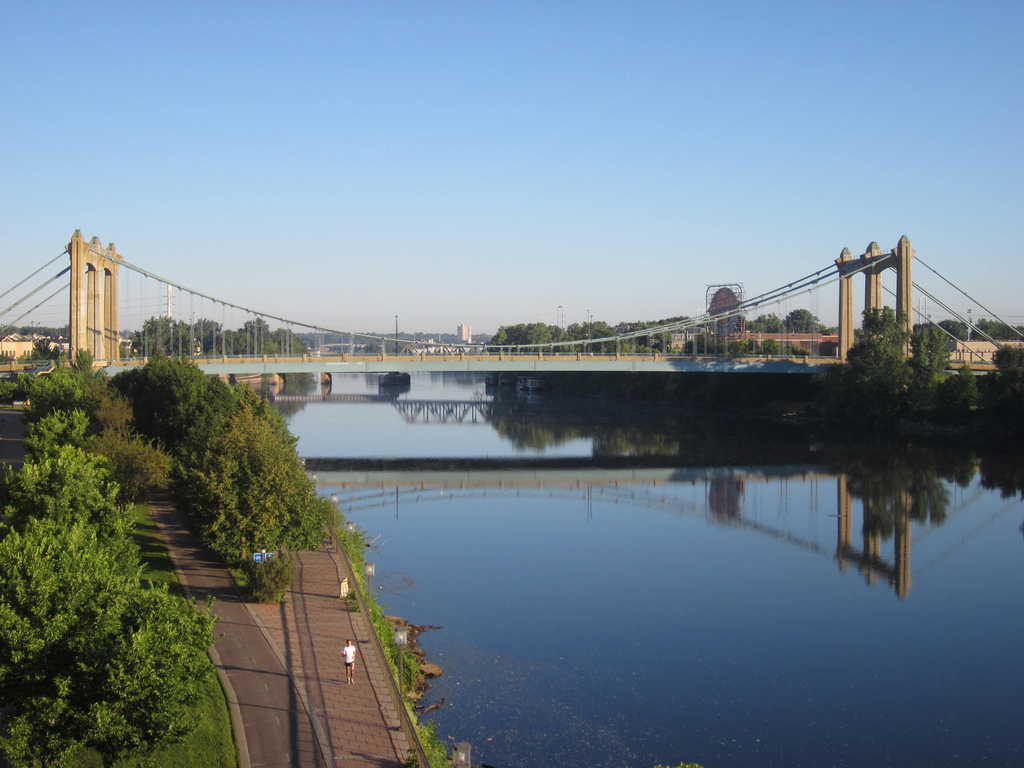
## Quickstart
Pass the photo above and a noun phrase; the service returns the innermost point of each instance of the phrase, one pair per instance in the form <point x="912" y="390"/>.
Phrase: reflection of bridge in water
<point x="716" y="495"/>
<point x="412" y="411"/>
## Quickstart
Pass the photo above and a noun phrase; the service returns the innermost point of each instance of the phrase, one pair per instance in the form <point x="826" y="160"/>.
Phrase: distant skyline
<point x="487" y="163"/>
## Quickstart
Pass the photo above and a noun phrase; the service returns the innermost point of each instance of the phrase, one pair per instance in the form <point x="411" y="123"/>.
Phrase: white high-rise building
<point x="465" y="333"/>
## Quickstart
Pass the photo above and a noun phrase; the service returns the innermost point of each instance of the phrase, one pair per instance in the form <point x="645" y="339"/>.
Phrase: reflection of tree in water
<point x="294" y="384"/>
<point x="1003" y="472"/>
<point x="614" y="428"/>
<point x="906" y="483"/>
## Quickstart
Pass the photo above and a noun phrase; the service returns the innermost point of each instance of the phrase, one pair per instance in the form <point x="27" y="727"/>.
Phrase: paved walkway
<point x="286" y="679"/>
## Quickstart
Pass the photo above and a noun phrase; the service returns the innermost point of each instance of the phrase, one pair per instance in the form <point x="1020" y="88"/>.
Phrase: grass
<point x="155" y="559"/>
<point x="212" y="744"/>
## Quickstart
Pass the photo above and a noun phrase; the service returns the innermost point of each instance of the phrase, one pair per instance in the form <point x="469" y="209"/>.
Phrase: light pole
<point x="334" y="503"/>
<point x="351" y="532"/>
<point x="370" y="568"/>
<point x="396" y="335"/>
<point x="460" y="754"/>
<point x="401" y="639"/>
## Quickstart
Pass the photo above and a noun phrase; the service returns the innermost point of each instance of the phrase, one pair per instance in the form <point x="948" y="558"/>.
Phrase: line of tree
<point x="90" y="654"/>
<point x="881" y="385"/>
<point x="202" y="337"/>
<point x="986" y="329"/>
<point x="797" y="321"/>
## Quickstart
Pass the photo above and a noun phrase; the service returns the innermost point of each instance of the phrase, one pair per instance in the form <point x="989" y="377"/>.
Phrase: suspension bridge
<point x="107" y="294"/>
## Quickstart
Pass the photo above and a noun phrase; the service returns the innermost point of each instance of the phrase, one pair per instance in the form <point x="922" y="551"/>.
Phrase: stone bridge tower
<point x="94" y="310"/>
<point x="872" y="263"/>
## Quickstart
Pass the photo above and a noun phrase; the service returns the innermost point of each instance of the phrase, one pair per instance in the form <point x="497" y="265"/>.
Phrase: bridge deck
<point x="496" y="363"/>
<point x="464" y="363"/>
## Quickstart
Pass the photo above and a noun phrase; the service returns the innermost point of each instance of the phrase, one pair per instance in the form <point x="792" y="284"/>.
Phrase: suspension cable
<point x="35" y="273"/>
<point x="1015" y="330"/>
<point x="28" y="312"/>
<point x="33" y="292"/>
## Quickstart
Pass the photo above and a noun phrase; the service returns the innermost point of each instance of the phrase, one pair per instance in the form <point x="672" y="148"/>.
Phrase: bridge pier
<point x="872" y="263"/>
<point x="94" y="316"/>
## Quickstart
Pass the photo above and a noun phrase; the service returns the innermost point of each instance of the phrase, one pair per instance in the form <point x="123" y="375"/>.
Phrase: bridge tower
<point x="95" y="318"/>
<point x="872" y="263"/>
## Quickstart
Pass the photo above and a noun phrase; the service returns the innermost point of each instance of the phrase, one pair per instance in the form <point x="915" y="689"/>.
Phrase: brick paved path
<point x="359" y="721"/>
<point x="283" y="665"/>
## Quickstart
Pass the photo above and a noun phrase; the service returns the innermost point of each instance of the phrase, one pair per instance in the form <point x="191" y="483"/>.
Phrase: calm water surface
<point x="774" y="613"/>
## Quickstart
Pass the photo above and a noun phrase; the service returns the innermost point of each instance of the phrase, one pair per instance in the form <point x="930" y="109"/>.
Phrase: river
<point x="668" y="588"/>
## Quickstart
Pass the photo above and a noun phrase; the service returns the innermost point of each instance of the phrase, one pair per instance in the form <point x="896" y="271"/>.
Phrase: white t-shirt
<point x="350" y="654"/>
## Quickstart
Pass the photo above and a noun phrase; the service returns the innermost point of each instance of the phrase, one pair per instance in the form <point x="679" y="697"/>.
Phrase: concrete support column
<point x="845" y="307"/>
<point x="873" y="277"/>
<point x="111" y="312"/>
<point x="79" y="319"/>
<point x="903" y="257"/>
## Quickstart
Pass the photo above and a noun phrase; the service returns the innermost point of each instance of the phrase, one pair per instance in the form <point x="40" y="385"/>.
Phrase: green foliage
<point x="9" y="389"/>
<point x="801" y="321"/>
<point x="681" y="765"/>
<point x="527" y="333"/>
<point x="765" y="324"/>
<point x="956" y="397"/>
<point x="928" y="363"/>
<point x="253" y="492"/>
<point x="63" y="389"/>
<point x="67" y="485"/>
<point x="44" y="349"/>
<point x="955" y="328"/>
<point x="997" y="330"/>
<point x="56" y="429"/>
<point x="174" y="403"/>
<point x="435" y="748"/>
<point x="1003" y="394"/>
<point x="137" y="464"/>
<point x="871" y="390"/>
<point x="205" y="337"/>
<point x="90" y="657"/>
<point x="267" y="582"/>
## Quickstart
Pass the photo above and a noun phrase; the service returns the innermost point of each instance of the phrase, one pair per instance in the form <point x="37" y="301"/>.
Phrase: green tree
<point x="178" y="406"/>
<point x="56" y="429"/>
<point x="253" y="491"/>
<point x="88" y="656"/>
<point x="65" y="389"/>
<point x="44" y="349"/>
<point x="871" y="390"/>
<point x="1003" y="394"/>
<point x="765" y="324"/>
<point x="527" y="333"/>
<point x="955" y="328"/>
<point x="928" y="363"/>
<point x="801" y="321"/>
<point x="137" y="464"/>
<point x="957" y="397"/>
<point x="66" y="485"/>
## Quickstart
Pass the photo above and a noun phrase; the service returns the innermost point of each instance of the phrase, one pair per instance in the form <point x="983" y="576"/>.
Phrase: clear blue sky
<point x="484" y="162"/>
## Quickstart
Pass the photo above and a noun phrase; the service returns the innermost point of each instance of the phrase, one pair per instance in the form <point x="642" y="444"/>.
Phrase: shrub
<point x="267" y="582"/>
